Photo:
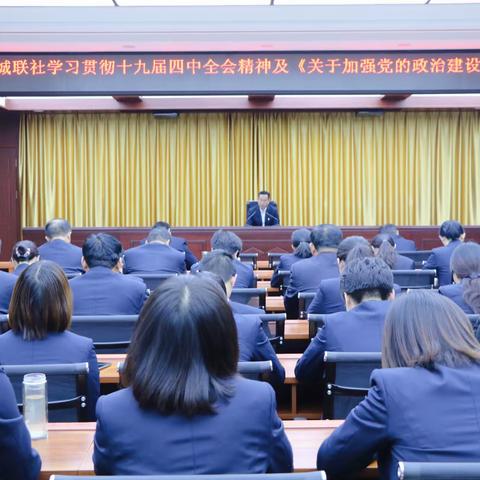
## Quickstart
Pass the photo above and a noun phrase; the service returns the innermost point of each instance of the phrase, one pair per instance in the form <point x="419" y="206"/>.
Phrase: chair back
<point x="438" y="470"/>
<point x="153" y="280"/>
<point x="315" y="321"/>
<point x="304" y="301"/>
<point x="274" y="326"/>
<point x="414" y="279"/>
<point x="110" y="333"/>
<point x="4" y="327"/>
<point x="418" y="256"/>
<point x="249" y="258"/>
<point x="347" y="380"/>
<point x="317" y="475"/>
<point x="68" y="402"/>
<point x="256" y="297"/>
<point x="284" y="280"/>
<point x="274" y="258"/>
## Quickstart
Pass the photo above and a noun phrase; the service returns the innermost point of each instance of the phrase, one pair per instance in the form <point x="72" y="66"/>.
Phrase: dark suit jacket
<point x="404" y="263"/>
<point x="244" y="436"/>
<point x="18" y="461"/>
<point x="455" y="293"/>
<point x="403" y="244"/>
<point x="100" y="291"/>
<point x="7" y="283"/>
<point x="254" y="217"/>
<point x="245" y="275"/>
<point x="68" y="256"/>
<point x="255" y="346"/>
<point x="410" y="414"/>
<point x="439" y="260"/>
<point x="154" y="258"/>
<point x="244" y="309"/>
<point x="180" y="244"/>
<point x="306" y="276"/>
<point x="285" y="263"/>
<point x="63" y="347"/>
<point x="20" y="269"/>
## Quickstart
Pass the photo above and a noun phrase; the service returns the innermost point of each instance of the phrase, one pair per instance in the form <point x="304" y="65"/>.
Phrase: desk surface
<point x="296" y="330"/>
<point x="110" y="373"/>
<point x="69" y="446"/>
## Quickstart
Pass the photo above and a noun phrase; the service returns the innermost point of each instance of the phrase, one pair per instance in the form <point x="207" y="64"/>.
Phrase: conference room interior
<point x="116" y="115"/>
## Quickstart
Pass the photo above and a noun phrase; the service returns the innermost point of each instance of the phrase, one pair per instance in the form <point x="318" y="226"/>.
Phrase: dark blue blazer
<point x="357" y="330"/>
<point x="18" y="461"/>
<point x="245" y="435"/>
<point x="65" y="347"/>
<point x="306" y="276"/>
<point x="20" y="269"/>
<point x="68" y="256"/>
<point x="412" y="415"/>
<point x="285" y="263"/>
<point x="180" y="244"/>
<point x="100" y="291"/>
<point x="254" y="344"/>
<point x="404" y="263"/>
<point x="455" y="293"/>
<point x="245" y="309"/>
<point x="439" y="260"/>
<point x="254" y="217"/>
<point x="154" y="258"/>
<point x="403" y="244"/>
<point x="7" y="283"/>
<point x="245" y="276"/>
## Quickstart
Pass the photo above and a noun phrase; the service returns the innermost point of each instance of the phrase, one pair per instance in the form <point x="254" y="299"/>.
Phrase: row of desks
<point x="69" y="447"/>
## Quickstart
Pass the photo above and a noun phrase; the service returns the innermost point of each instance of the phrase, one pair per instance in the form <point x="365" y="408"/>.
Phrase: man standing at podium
<point x="263" y="212"/>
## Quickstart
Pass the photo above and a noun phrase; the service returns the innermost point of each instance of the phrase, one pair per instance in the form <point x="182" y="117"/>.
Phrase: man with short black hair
<point x="155" y="256"/>
<point x="253" y="341"/>
<point x="306" y="275"/>
<point x="59" y="248"/>
<point x="180" y="244"/>
<point x="263" y="213"/>
<point x="103" y="289"/>
<point x="402" y="244"/>
<point x="367" y="284"/>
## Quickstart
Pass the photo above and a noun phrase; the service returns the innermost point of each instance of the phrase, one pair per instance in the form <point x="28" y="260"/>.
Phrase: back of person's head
<point x="465" y="264"/>
<point x="159" y="234"/>
<point x="425" y="329"/>
<point x="301" y="243"/>
<point x="162" y="224"/>
<point x="388" y="229"/>
<point x="347" y="244"/>
<point x="213" y="277"/>
<point x="325" y="236"/>
<point x="57" y="228"/>
<point x="188" y="314"/>
<point x="101" y="250"/>
<point x="24" y="251"/>
<point x="384" y="248"/>
<point x="41" y="301"/>
<point x="358" y="252"/>
<point x="228" y="241"/>
<point x="218" y="262"/>
<point x="451" y="230"/>
<point x="367" y="278"/>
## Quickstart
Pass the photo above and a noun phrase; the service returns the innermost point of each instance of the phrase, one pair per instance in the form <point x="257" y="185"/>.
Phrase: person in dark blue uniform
<point x="402" y="244"/>
<point x="263" y="213"/>
<point x="423" y="404"/>
<point x="188" y="414"/>
<point x="384" y="247"/>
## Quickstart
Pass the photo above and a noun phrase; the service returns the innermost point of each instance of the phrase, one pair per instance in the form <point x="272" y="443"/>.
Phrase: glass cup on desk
<point x="35" y="404"/>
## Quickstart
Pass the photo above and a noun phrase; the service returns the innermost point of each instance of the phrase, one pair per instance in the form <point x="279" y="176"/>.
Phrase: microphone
<point x="272" y="216"/>
<point x="250" y="215"/>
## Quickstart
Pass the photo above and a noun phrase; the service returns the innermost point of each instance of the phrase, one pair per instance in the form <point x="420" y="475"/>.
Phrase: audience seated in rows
<point x="465" y="265"/>
<point x="24" y="253"/>
<point x="180" y="244"/>
<point x="451" y="235"/>
<point x="58" y="247"/>
<point x="252" y="339"/>
<point x="329" y="296"/>
<point x="384" y="247"/>
<point x="188" y="414"/>
<point x="155" y="256"/>
<point x="17" y="458"/>
<point x="301" y="250"/>
<point x="307" y="274"/>
<point x="423" y="404"/>
<point x="39" y="317"/>
<point x="368" y="286"/>
<point x="103" y="289"/>
<point x="402" y="244"/>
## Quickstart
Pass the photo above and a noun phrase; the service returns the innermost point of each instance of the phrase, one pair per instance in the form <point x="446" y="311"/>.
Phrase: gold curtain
<point x="123" y="169"/>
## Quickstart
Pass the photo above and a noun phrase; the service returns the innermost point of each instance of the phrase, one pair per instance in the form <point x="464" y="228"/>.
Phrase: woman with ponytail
<point x="465" y="265"/>
<point x="384" y="247"/>
<point x="24" y="253"/>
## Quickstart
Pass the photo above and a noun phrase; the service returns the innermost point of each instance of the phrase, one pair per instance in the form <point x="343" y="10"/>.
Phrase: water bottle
<point x="35" y="404"/>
